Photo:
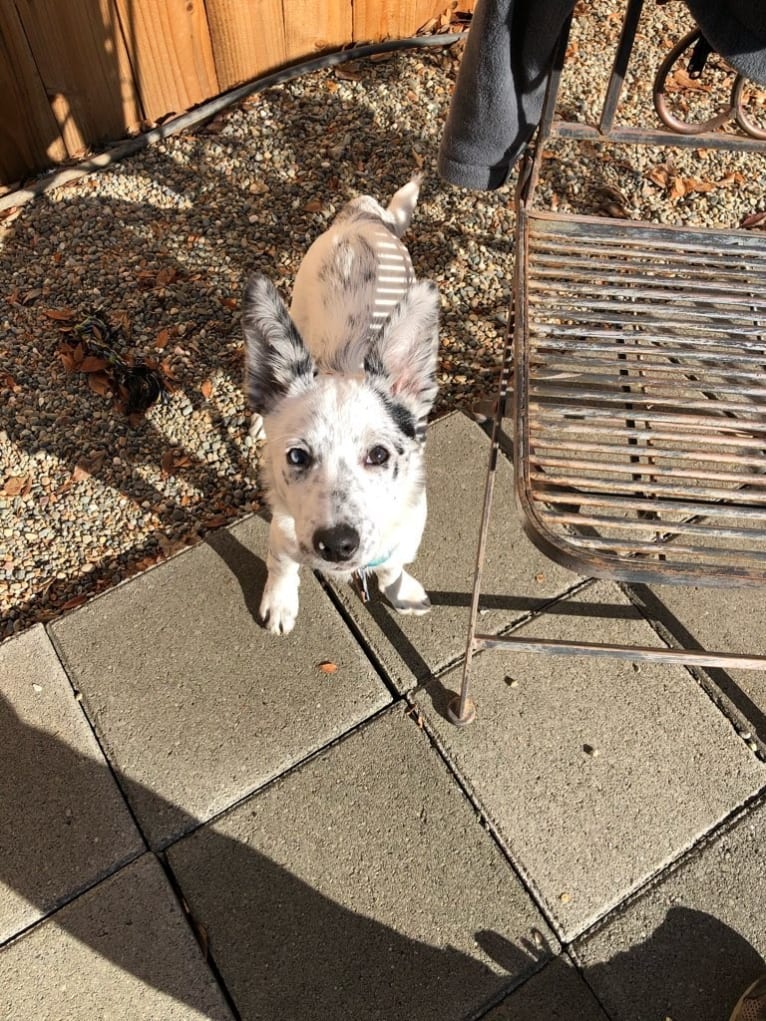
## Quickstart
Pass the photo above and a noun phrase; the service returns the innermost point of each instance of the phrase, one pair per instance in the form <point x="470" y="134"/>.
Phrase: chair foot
<point x="453" y="712"/>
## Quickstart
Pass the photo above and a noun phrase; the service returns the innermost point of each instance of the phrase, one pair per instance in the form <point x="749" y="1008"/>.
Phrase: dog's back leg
<point x="403" y="203"/>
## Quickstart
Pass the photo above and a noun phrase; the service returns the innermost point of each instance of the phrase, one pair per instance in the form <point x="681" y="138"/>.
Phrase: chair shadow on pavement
<point x="285" y="950"/>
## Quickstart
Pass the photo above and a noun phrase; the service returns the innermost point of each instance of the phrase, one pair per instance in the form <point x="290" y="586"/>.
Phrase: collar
<point x="360" y="576"/>
<point x="378" y="562"/>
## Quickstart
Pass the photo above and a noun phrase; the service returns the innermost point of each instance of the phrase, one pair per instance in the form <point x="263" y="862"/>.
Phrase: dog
<point x="341" y="387"/>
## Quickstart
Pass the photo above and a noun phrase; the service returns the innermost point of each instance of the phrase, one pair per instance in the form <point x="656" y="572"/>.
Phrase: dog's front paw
<point x="407" y="595"/>
<point x="279" y="607"/>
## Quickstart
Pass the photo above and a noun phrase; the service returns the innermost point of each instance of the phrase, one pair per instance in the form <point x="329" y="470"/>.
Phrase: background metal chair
<point x="635" y="369"/>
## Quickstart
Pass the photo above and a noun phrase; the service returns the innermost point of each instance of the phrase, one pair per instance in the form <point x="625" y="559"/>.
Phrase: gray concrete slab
<point x="597" y="772"/>
<point x="517" y="576"/>
<point x="726" y="620"/>
<point x="688" y="947"/>
<point x="121" y="951"/>
<point x="557" y="993"/>
<point x="196" y="704"/>
<point x="361" y="886"/>
<point x="63" y="822"/>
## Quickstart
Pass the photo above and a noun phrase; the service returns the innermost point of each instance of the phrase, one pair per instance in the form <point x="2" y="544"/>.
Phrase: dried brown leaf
<point x="754" y="221"/>
<point x="15" y="485"/>
<point x="60" y="315"/>
<point x="166" y="276"/>
<point x="659" y="175"/>
<point x="92" y="363"/>
<point x="99" y="383"/>
<point x="346" y="73"/>
<point x="162" y="339"/>
<point x="206" y="389"/>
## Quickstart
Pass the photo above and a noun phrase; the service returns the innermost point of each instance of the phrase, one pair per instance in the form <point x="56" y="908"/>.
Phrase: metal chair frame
<point x="633" y="507"/>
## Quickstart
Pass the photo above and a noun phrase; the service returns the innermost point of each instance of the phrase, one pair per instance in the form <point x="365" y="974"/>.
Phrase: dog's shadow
<point x="247" y="567"/>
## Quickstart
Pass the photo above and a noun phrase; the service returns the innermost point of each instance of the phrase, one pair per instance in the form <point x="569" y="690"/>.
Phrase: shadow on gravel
<point x="170" y="266"/>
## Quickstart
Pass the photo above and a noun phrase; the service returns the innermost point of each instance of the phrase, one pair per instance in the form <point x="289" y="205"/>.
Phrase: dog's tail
<point x="403" y="203"/>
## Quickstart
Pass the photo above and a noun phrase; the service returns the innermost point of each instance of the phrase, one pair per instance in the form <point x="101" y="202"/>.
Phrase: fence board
<point x="312" y="26"/>
<point x="375" y="20"/>
<point x="90" y="71"/>
<point x="169" y="46"/>
<point x="81" y="59"/>
<point x="29" y="136"/>
<point x="248" y="39"/>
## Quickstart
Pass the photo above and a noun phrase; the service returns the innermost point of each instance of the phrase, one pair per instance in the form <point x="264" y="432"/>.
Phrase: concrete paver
<point x="557" y="993"/>
<point x="122" y="950"/>
<point x="591" y="768"/>
<point x="733" y="620"/>
<point x="362" y="883"/>
<point x="361" y="886"/>
<point x="689" y="946"/>
<point x="413" y="648"/>
<point x="63" y="822"/>
<point x="196" y="704"/>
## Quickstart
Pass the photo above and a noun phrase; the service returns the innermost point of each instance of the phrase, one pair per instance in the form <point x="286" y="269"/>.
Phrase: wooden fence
<point x="76" y="74"/>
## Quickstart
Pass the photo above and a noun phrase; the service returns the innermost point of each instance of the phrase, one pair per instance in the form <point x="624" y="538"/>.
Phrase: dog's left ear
<point x="406" y="349"/>
<point x="276" y="357"/>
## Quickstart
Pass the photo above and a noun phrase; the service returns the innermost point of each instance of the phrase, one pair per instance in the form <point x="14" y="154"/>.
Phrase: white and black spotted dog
<point x="342" y="386"/>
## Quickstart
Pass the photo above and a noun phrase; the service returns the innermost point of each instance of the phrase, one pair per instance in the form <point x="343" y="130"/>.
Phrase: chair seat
<point x="640" y="385"/>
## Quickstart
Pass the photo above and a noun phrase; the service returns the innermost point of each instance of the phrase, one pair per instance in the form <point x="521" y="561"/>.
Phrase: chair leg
<point x="461" y="710"/>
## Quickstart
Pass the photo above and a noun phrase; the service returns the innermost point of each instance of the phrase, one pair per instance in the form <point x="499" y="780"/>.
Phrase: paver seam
<point x="122" y="862"/>
<point x="666" y="630"/>
<point x="177" y="894"/>
<point x="355" y="630"/>
<point x="163" y="846"/>
<point x="198" y="931"/>
<point x="710" y="837"/>
<point x="565" y="952"/>
<point x="502" y="995"/>
<point x="538" y="899"/>
<point x="103" y="746"/>
<point x="483" y="817"/>
<point x="71" y="897"/>
<point x="413" y="717"/>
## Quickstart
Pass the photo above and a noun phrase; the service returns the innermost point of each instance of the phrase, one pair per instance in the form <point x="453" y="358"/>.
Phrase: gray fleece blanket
<point x="500" y="89"/>
<point x="510" y="49"/>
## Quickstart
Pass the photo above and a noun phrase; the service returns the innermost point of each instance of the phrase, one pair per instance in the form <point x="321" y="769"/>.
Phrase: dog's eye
<point x="298" y="457"/>
<point x="377" y="455"/>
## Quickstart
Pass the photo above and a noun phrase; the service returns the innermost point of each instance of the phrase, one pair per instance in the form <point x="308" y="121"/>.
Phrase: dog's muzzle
<point x="337" y="544"/>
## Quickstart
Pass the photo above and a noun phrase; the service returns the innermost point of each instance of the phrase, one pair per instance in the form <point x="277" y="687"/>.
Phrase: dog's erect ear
<point x="406" y="349"/>
<point x="276" y="357"/>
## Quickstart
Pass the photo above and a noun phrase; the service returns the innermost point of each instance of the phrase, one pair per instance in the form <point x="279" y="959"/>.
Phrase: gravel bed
<point x="160" y="243"/>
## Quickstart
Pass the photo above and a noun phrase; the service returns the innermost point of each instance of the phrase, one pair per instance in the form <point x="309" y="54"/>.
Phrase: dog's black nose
<point x="336" y="544"/>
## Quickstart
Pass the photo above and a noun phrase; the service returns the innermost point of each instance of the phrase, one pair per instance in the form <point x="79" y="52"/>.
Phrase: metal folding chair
<point x="635" y="368"/>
